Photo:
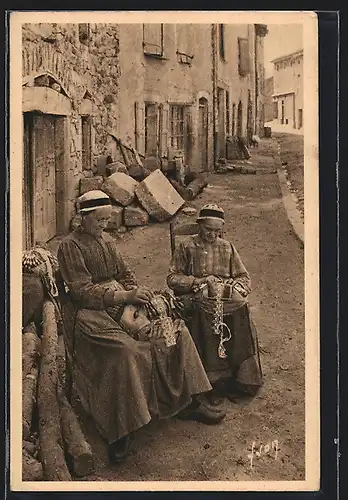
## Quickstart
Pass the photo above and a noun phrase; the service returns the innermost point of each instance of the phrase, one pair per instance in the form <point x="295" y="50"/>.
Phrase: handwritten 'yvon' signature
<point x="263" y="449"/>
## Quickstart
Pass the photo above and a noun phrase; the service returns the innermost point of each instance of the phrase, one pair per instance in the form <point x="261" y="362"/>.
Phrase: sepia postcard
<point x="164" y="242"/>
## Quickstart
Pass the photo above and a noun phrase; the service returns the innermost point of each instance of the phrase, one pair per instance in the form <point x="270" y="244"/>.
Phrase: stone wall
<point x="79" y="66"/>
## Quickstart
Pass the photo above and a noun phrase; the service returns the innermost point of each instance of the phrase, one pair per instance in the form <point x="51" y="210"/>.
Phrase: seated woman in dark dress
<point x="125" y="371"/>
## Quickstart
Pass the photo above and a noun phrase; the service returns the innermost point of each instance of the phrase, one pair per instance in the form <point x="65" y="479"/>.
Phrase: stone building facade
<point x="167" y="90"/>
<point x="184" y="88"/>
<point x="70" y="75"/>
<point x="268" y="97"/>
<point x="288" y="90"/>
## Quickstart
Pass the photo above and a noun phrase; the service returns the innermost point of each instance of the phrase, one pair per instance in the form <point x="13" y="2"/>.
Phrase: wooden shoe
<point x="118" y="450"/>
<point x="203" y="414"/>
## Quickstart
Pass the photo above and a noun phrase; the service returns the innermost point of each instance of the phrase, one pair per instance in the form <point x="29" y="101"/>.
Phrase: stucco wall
<point x="228" y="74"/>
<point x="165" y="81"/>
<point x="289" y="80"/>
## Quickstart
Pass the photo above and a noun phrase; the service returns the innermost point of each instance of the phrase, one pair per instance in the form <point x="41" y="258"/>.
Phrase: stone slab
<point x="158" y="197"/>
<point x="117" y="166"/>
<point x="90" y="183"/>
<point x="120" y="187"/>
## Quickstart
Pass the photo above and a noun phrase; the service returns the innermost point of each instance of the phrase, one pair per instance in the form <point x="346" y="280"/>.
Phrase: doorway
<point x="203" y="133"/>
<point x="240" y="120"/>
<point x="41" y="177"/>
<point x="221" y="123"/>
<point x="300" y="118"/>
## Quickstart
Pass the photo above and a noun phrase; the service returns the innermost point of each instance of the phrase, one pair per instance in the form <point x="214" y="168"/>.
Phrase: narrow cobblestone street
<point x="257" y="223"/>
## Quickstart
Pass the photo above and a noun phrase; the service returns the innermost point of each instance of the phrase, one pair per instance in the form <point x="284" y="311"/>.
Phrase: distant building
<point x="268" y="99"/>
<point x="288" y="90"/>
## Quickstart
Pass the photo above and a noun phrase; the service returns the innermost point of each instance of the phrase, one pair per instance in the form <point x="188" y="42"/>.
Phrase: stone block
<point x="116" y="219"/>
<point x="88" y="174"/>
<point x="117" y="166"/>
<point x="90" y="183"/>
<point x="120" y="187"/>
<point x="135" y="216"/>
<point x="152" y="163"/>
<point x="138" y="172"/>
<point x="158" y="197"/>
<point x="101" y="164"/>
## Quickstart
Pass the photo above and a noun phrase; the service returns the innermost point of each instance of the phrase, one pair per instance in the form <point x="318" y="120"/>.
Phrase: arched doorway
<point x="203" y="133"/>
<point x="240" y="120"/>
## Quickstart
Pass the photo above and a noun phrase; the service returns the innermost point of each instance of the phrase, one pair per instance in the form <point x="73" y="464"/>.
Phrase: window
<point x="176" y="122"/>
<point x="275" y="109"/>
<point x="222" y="40"/>
<point x="300" y="118"/>
<point x="233" y="119"/>
<point x="228" y="125"/>
<point x="151" y="129"/>
<point x="86" y="142"/>
<point x="153" y="40"/>
<point x="84" y="32"/>
<point x="184" y="43"/>
<point x="243" y="56"/>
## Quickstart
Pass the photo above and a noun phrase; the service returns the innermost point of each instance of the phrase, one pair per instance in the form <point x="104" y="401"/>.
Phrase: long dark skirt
<point x="242" y="366"/>
<point x="124" y="383"/>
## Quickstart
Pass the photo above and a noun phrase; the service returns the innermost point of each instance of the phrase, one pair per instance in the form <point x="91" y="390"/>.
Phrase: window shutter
<point x="222" y="40"/>
<point x="153" y="39"/>
<point x="163" y="115"/>
<point x="244" y="59"/>
<point x="189" y="136"/>
<point x="151" y="129"/>
<point x="183" y="33"/>
<point x="136" y="125"/>
<point x="141" y="126"/>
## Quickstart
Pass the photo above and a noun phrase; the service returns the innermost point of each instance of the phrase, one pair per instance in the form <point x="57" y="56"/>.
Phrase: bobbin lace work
<point x="219" y="327"/>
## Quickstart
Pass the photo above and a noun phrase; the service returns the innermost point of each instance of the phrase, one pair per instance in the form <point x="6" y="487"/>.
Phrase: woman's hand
<point x="139" y="295"/>
<point x="211" y="280"/>
<point x="156" y="330"/>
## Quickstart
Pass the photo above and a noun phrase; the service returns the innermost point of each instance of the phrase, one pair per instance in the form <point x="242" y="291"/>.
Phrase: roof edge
<point x="292" y="54"/>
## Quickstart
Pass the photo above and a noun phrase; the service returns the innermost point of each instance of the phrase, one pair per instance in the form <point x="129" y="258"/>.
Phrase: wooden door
<point x="44" y="170"/>
<point x="240" y="120"/>
<point x="203" y="133"/>
<point x="151" y="129"/>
